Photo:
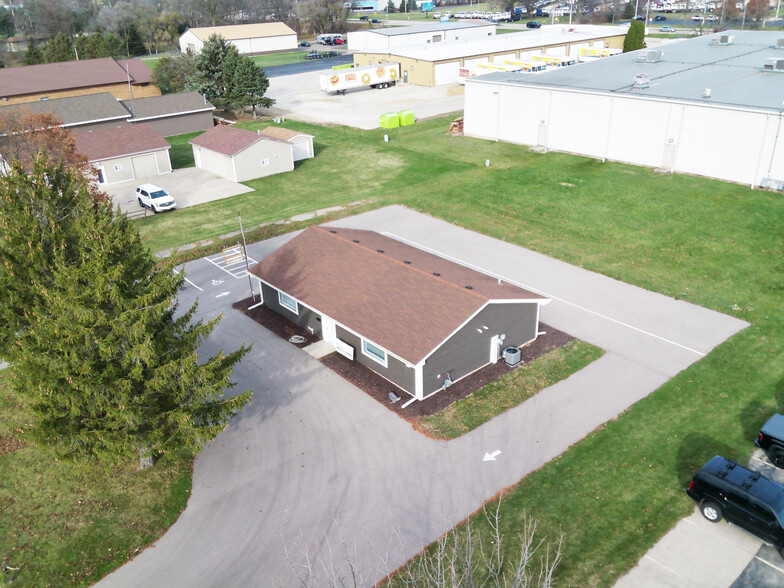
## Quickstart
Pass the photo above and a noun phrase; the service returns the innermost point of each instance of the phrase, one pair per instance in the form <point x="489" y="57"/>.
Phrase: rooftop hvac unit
<point x="779" y="43"/>
<point x="650" y="56"/>
<point x="722" y="40"/>
<point x="512" y="356"/>
<point x="641" y="81"/>
<point x="774" y="64"/>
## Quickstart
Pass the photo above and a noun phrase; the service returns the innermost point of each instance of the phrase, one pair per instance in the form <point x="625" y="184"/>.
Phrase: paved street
<point x="313" y="463"/>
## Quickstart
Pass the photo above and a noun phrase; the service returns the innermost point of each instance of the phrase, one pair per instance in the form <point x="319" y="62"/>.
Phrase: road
<point x="315" y="466"/>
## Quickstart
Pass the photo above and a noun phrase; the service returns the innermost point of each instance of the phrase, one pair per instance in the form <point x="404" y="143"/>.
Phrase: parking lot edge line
<point x="543" y="293"/>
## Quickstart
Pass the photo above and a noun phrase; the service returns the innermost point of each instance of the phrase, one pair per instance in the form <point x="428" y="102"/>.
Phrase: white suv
<point x="155" y="198"/>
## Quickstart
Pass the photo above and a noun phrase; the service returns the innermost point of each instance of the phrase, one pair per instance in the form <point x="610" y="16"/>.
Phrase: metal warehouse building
<point x="435" y="64"/>
<point x="249" y="39"/>
<point x="388" y="38"/>
<point x="709" y="106"/>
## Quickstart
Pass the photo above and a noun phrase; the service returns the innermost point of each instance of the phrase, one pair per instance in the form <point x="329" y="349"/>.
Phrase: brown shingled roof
<point x="402" y="298"/>
<point x="226" y="140"/>
<point x="119" y="141"/>
<point x="65" y="75"/>
<point x="281" y="134"/>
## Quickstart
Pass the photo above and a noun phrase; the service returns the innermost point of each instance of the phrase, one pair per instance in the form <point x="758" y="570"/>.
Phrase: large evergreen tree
<point x="635" y="36"/>
<point x="59" y="48"/>
<point x="33" y="54"/>
<point x="207" y="78"/>
<point x="100" y="352"/>
<point x="249" y="85"/>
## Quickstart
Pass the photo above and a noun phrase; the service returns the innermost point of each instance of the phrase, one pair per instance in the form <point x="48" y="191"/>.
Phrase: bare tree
<point x="464" y="557"/>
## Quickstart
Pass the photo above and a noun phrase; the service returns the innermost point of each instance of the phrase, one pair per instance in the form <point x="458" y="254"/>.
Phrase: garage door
<point x="216" y="163"/>
<point x="574" y="50"/>
<point x="446" y="73"/>
<point x="144" y="166"/>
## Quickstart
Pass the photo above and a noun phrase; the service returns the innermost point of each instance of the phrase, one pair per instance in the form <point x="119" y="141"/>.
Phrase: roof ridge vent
<point x="775" y="64"/>
<point x="641" y="81"/>
<point x="723" y="39"/>
<point x="650" y="56"/>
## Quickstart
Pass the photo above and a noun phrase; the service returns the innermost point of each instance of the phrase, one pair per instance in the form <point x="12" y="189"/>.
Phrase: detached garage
<point x="301" y="143"/>
<point x="121" y="154"/>
<point x="414" y="318"/>
<point x="239" y="155"/>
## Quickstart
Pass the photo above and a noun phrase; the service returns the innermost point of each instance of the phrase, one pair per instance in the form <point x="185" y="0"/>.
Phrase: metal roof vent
<point x="774" y="64"/>
<point x="650" y="56"/>
<point x="722" y="40"/>
<point x="641" y="81"/>
<point x="779" y="44"/>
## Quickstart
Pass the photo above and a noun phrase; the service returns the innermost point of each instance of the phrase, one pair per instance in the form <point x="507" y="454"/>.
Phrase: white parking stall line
<point x="227" y="264"/>
<point x="191" y="283"/>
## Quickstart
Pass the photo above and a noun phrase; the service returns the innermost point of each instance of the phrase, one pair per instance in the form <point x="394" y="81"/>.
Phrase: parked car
<point x="659" y="18"/>
<point x="339" y="41"/>
<point x="749" y="500"/>
<point x="771" y="440"/>
<point x="712" y="18"/>
<point x="532" y="24"/>
<point x="313" y="55"/>
<point x="436" y="15"/>
<point x="364" y="18"/>
<point x="154" y="197"/>
<point x="666" y="29"/>
<point x="304" y="44"/>
<point x="642" y="18"/>
<point x="375" y="21"/>
<point x="697" y="18"/>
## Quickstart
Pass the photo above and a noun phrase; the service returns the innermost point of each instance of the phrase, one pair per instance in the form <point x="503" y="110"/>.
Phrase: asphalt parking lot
<point x="189" y="186"/>
<point x="300" y="97"/>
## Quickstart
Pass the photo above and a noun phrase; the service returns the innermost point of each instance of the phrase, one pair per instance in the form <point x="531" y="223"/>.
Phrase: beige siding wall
<point x="164" y="163"/>
<point x="277" y="155"/>
<point x="111" y="175"/>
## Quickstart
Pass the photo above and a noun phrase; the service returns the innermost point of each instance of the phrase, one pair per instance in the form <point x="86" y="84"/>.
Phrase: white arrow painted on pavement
<point x="491" y="456"/>
<point x="223" y="294"/>
<point x="217" y="282"/>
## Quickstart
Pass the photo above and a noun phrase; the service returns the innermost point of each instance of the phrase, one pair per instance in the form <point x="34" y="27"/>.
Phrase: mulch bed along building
<point x="379" y="388"/>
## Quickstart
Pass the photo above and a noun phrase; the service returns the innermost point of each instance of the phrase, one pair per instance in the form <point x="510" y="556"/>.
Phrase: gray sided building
<point x="172" y="114"/>
<point x="418" y="320"/>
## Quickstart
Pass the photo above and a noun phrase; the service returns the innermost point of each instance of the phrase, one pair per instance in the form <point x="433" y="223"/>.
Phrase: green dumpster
<point x="406" y="117"/>
<point x="390" y="120"/>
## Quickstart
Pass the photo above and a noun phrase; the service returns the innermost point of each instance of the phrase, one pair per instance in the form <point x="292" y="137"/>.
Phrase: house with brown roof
<point x="301" y="143"/>
<point x="78" y="113"/>
<point x="417" y="319"/>
<point x="123" y="79"/>
<point x="125" y="153"/>
<point x="249" y="39"/>
<point x="239" y="155"/>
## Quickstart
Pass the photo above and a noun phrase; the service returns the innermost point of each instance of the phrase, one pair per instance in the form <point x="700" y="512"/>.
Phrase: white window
<point x="374" y="352"/>
<point x="117" y="167"/>
<point x="287" y="301"/>
<point x="265" y="162"/>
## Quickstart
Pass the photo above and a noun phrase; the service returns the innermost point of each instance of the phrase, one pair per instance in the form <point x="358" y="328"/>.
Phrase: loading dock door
<point x="447" y="73"/>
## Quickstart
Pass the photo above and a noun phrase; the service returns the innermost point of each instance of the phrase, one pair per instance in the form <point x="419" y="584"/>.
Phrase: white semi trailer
<point x="381" y="75"/>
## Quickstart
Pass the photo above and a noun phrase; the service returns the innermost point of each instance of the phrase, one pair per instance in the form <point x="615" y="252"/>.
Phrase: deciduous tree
<point x="100" y="352"/>
<point x="171" y="73"/>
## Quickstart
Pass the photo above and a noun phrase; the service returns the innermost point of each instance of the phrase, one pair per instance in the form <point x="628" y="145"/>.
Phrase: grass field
<point x="707" y="242"/>
<point x="281" y="58"/>
<point x="62" y="525"/>
<point x="509" y="391"/>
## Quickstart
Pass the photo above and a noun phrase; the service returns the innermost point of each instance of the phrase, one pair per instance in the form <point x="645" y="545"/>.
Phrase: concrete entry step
<point x="319" y="349"/>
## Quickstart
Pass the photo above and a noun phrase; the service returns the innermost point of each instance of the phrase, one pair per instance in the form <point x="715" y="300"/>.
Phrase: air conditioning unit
<point x="779" y="43"/>
<point x="722" y="40"/>
<point x="774" y="64"/>
<point x="512" y="356"/>
<point x="650" y="56"/>
<point x="772" y="183"/>
<point x="641" y="81"/>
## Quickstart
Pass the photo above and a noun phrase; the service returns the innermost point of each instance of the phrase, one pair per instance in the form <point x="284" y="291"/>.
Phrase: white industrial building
<point x="249" y="39"/>
<point x="391" y="37"/>
<point x="709" y="106"/>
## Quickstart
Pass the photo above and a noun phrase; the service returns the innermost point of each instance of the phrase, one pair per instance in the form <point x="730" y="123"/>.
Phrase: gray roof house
<point x="239" y="155"/>
<point x="129" y="152"/>
<point x="418" y="320"/>
<point x="172" y="114"/>
<point x="79" y="113"/>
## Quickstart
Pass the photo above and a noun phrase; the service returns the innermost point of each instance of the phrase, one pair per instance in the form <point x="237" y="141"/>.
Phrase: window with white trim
<point x="287" y="301"/>
<point x="374" y="352"/>
<point x="265" y="162"/>
<point x="117" y="167"/>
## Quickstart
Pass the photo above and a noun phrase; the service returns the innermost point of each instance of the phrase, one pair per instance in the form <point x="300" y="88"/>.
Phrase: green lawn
<point x="61" y="525"/>
<point x="280" y="58"/>
<point x="510" y="390"/>
<point x="707" y="242"/>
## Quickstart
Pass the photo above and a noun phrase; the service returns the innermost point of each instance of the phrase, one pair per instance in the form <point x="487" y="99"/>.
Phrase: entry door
<point x="495" y="348"/>
<point x="405" y="76"/>
<point x="328" y="331"/>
